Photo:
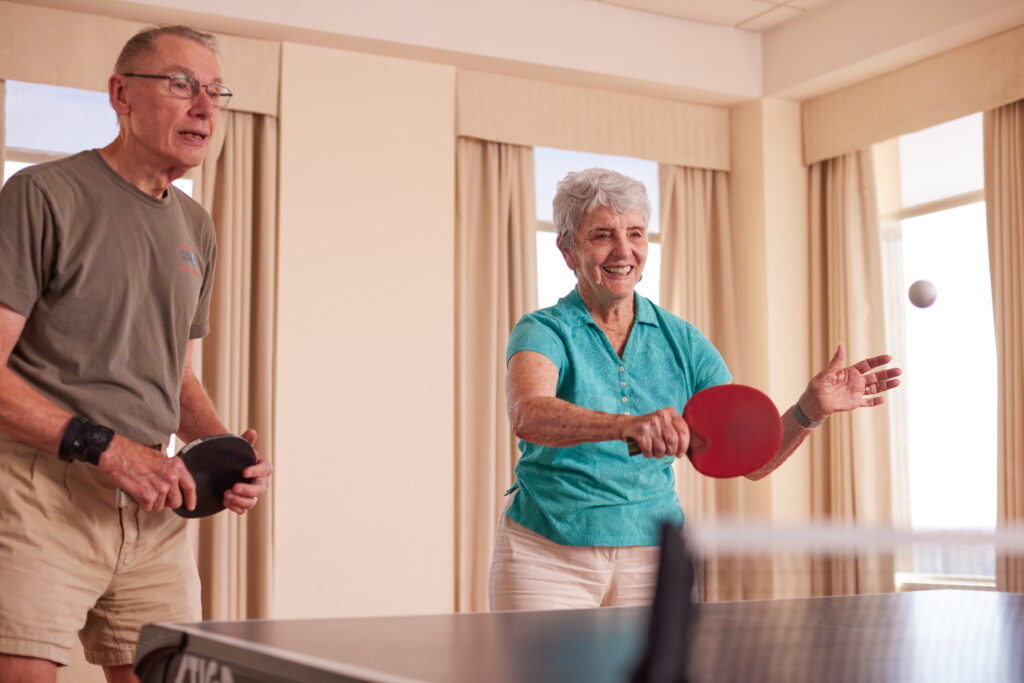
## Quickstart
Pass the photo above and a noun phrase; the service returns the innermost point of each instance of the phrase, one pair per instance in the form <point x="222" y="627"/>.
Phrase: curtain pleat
<point x="237" y="184"/>
<point x="1004" y="197"/>
<point x="850" y="466"/>
<point x="496" y="283"/>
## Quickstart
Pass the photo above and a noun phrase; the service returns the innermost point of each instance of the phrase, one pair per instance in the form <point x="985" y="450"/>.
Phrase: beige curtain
<point x="850" y="462"/>
<point x="697" y="284"/>
<point x="3" y="128"/>
<point x="1004" y="196"/>
<point x="495" y="284"/>
<point x="237" y="184"/>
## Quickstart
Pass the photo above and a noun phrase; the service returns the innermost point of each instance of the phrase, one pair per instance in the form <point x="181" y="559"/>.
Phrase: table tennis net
<point x="751" y="560"/>
<point x="863" y="631"/>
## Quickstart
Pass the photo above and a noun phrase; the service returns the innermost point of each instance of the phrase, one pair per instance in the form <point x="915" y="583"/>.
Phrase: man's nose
<point x="202" y="104"/>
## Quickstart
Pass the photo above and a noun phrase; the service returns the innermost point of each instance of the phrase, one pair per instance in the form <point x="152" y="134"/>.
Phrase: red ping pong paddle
<point x="734" y="430"/>
<point x="216" y="463"/>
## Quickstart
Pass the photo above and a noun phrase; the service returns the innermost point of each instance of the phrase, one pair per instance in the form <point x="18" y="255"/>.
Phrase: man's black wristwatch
<point x="84" y="440"/>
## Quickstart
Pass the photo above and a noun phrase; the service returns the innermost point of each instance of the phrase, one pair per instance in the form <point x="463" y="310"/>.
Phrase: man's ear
<point x="117" y="88"/>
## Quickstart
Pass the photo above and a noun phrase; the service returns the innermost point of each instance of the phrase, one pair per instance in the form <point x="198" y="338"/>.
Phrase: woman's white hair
<point x="580" y="192"/>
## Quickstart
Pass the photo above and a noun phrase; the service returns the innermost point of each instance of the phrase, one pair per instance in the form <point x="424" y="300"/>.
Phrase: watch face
<point x="100" y="437"/>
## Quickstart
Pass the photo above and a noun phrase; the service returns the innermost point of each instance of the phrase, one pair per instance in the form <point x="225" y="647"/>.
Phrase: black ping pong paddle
<point x="735" y="429"/>
<point x="216" y="463"/>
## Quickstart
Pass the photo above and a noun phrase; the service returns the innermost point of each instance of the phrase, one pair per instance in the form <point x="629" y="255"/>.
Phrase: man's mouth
<point x="618" y="270"/>
<point x="194" y="135"/>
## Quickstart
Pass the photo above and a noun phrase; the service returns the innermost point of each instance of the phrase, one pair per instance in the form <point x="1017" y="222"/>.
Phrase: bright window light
<point x="57" y="120"/>
<point x="942" y="161"/>
<point x="950" y="364"/>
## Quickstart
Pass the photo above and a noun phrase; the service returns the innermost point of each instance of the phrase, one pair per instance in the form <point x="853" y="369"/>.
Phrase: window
<point x="934" y="228"/>
<point x="554" y="279"/>
<point x="47" y="122"/>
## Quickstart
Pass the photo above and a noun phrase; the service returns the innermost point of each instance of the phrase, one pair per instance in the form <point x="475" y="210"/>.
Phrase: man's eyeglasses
<point x="187" y="87"/>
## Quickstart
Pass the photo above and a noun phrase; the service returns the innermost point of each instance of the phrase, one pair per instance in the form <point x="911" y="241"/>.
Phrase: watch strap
<point x="73" y="440"/>
<point x="802" y="419"/>
<point x="84" y="440"/>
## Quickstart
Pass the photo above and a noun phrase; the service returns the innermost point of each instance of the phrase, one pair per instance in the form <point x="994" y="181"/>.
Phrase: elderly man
<point x="105" y="279"/>
<point x="602" y="366"/>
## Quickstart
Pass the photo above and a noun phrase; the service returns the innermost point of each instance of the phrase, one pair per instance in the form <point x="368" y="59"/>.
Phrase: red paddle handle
<point x="634" y="447"/>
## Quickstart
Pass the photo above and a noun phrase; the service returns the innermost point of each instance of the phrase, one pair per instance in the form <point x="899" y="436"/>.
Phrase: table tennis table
<point x="942" y="635"/>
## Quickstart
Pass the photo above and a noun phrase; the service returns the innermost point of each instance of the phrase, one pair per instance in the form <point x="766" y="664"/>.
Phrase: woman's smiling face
<point x="610" y="253"/>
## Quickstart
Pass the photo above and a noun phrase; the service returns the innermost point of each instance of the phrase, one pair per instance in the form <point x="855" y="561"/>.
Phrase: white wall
<point x="365" y="469"/>
<point x="788" y="302"/>
<point x="768" y="206"/>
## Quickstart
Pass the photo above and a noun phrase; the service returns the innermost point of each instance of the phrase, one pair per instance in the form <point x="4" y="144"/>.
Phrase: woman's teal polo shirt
<point x="596" y="494"/>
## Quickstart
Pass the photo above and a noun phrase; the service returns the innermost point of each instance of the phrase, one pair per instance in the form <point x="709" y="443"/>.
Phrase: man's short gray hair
<point x="580" y="192"/>
<point x="144" y="43"/>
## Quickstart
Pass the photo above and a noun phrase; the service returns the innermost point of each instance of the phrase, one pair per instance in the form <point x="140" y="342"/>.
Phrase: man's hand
<point x="242" y="497"/>
<point x="152" y="479"/>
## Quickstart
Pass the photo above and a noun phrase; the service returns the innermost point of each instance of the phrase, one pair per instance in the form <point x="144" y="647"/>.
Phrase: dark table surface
<point x="916" y="636"/>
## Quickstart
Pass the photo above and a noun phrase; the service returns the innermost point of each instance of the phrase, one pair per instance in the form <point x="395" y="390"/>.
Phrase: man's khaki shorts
<point x="72" y="561"/>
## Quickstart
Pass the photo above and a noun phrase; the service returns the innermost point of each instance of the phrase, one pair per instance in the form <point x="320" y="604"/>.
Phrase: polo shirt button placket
<point x="622" y="384"/>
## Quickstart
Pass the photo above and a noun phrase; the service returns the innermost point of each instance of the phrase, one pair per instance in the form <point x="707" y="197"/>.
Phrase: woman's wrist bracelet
<point x="802" y="419"/>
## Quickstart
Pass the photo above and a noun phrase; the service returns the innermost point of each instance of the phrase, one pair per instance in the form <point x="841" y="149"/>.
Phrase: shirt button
<point x="626" y="413"/>
<point x="625" y="399"/>
<point x="622" y="384"/>
<point x="622" y="368"/>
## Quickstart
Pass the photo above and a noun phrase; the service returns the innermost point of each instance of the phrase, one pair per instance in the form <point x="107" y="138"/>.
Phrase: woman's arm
<point x="538" y="416"/>
<point x="834" y="389"/>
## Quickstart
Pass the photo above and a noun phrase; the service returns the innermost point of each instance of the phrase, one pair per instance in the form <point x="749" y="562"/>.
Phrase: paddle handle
<point x="695" y="442"/>
<point x="634" y="447"/>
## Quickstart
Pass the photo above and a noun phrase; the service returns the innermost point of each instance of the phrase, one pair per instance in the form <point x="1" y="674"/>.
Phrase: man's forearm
<point x="198" y="416"/>
<point x="29" y="416"/>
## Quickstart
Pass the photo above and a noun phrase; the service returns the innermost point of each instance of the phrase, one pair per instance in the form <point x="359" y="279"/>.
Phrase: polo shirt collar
<point x="644" y="309"/>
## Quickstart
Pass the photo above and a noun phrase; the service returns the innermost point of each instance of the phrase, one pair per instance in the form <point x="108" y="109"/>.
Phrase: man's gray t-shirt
<point x="113" y="283"/>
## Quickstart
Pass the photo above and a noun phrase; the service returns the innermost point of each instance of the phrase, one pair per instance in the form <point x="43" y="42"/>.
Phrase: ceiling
<point x="719" y="52"/>
<point x="749" y="15"/>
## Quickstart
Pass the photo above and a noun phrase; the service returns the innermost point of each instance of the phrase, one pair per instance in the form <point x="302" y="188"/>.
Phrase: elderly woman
<point x="603" y="365"/>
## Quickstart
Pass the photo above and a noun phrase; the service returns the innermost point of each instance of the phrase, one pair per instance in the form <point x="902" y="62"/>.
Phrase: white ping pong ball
<point x="922" y="293"/>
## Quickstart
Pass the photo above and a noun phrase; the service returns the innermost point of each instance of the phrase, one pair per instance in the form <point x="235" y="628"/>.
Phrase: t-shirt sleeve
<point x="534" y="334"/>
<point x="201" y="321"/>
<point x="26" y="244"/>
